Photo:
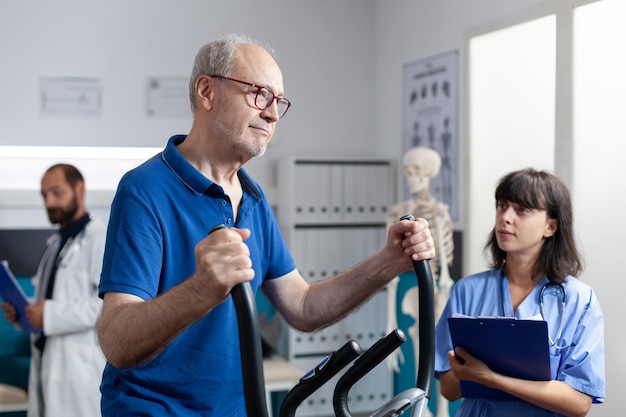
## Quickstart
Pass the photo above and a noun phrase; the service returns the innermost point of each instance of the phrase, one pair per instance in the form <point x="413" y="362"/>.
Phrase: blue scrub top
<point x="161" y="210"/>
<point x="580" y="366"/>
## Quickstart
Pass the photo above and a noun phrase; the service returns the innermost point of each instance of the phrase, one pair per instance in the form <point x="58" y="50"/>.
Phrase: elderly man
<point x="168" y="325"/>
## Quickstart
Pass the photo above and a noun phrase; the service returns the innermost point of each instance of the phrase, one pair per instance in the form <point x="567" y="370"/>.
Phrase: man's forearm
<point x="133" y="332"/>
<point x="331" y="300"/>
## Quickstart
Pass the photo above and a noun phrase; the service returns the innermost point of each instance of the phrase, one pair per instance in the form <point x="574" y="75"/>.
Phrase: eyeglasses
<point x="263" y="97"/>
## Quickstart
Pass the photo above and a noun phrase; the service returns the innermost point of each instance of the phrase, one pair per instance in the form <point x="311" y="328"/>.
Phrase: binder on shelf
<point x="517" y="348"/>
<point x="12" y="293"/>
<point x="336" y="192"/>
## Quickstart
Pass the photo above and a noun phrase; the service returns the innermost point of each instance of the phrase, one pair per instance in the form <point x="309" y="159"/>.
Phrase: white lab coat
<point x="70" y="369"/>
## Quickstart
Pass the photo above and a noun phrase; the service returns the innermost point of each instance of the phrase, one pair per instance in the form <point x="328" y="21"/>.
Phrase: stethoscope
<point x="561" y="295"/>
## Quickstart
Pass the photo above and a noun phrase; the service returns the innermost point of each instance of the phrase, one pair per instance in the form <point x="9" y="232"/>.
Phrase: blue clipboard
<point x="517" y="348"/>
<point x="11" y="292"/>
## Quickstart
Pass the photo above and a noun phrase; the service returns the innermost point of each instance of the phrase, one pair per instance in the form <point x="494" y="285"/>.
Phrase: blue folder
<point x="11" y="292"/>
<point x="517" y="348"/>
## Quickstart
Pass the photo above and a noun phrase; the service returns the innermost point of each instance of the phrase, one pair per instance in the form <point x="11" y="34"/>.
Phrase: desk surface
<point x="278" y="369"/>
<point x="12" y="399"/>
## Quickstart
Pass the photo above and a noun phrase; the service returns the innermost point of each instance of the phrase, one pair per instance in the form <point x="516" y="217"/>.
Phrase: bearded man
<point x="66" y="362"/>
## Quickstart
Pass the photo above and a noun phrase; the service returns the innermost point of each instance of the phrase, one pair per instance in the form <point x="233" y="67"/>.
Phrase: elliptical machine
<point x="418" y="397"/>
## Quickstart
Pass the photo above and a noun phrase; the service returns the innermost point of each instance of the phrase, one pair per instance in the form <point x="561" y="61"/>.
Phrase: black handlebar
<point x="252" y="359"/>
<point x="365" y="363"/>
<point x="426" y="289"/>
<point x="251" y="350"/>
<point x="318" y="376"/>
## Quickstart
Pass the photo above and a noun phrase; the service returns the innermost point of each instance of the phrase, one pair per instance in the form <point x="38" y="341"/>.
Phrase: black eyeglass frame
<point x="259" y="88"/>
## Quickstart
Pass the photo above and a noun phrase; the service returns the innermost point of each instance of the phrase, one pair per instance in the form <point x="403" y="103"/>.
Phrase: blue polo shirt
<point x="161" y="210"/>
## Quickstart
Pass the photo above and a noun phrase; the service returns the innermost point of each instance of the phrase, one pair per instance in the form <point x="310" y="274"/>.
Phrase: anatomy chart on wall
<point x="430" y="107"/>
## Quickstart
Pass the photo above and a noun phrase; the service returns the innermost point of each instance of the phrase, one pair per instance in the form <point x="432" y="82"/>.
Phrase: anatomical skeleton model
<point x="420" y="164"/>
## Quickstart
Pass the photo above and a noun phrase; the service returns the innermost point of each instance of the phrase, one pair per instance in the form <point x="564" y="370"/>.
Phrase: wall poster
<point x="430" y="107"/>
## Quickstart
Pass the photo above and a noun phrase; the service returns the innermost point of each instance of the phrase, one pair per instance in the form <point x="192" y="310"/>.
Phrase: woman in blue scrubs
<point x="534" y="263"/>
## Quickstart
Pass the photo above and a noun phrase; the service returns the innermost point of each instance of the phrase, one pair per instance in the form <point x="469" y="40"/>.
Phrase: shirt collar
<point x="192" y="178"/>
<point x="75" y="227"/>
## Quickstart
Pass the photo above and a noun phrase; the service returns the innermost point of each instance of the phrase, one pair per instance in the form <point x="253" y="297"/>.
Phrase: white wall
<point x="342" y="62"/>
<point x="411" y="30"/>
<point x="599" y="173"/>
<point x="21" y="169"/>
<point x="324" y="48"/>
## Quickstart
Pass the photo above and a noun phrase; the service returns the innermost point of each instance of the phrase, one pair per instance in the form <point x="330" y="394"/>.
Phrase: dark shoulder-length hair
<point x="541" y="190"/>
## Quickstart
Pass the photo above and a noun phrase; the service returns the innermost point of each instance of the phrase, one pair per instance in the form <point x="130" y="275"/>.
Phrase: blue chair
<point x="14" y="357"/>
